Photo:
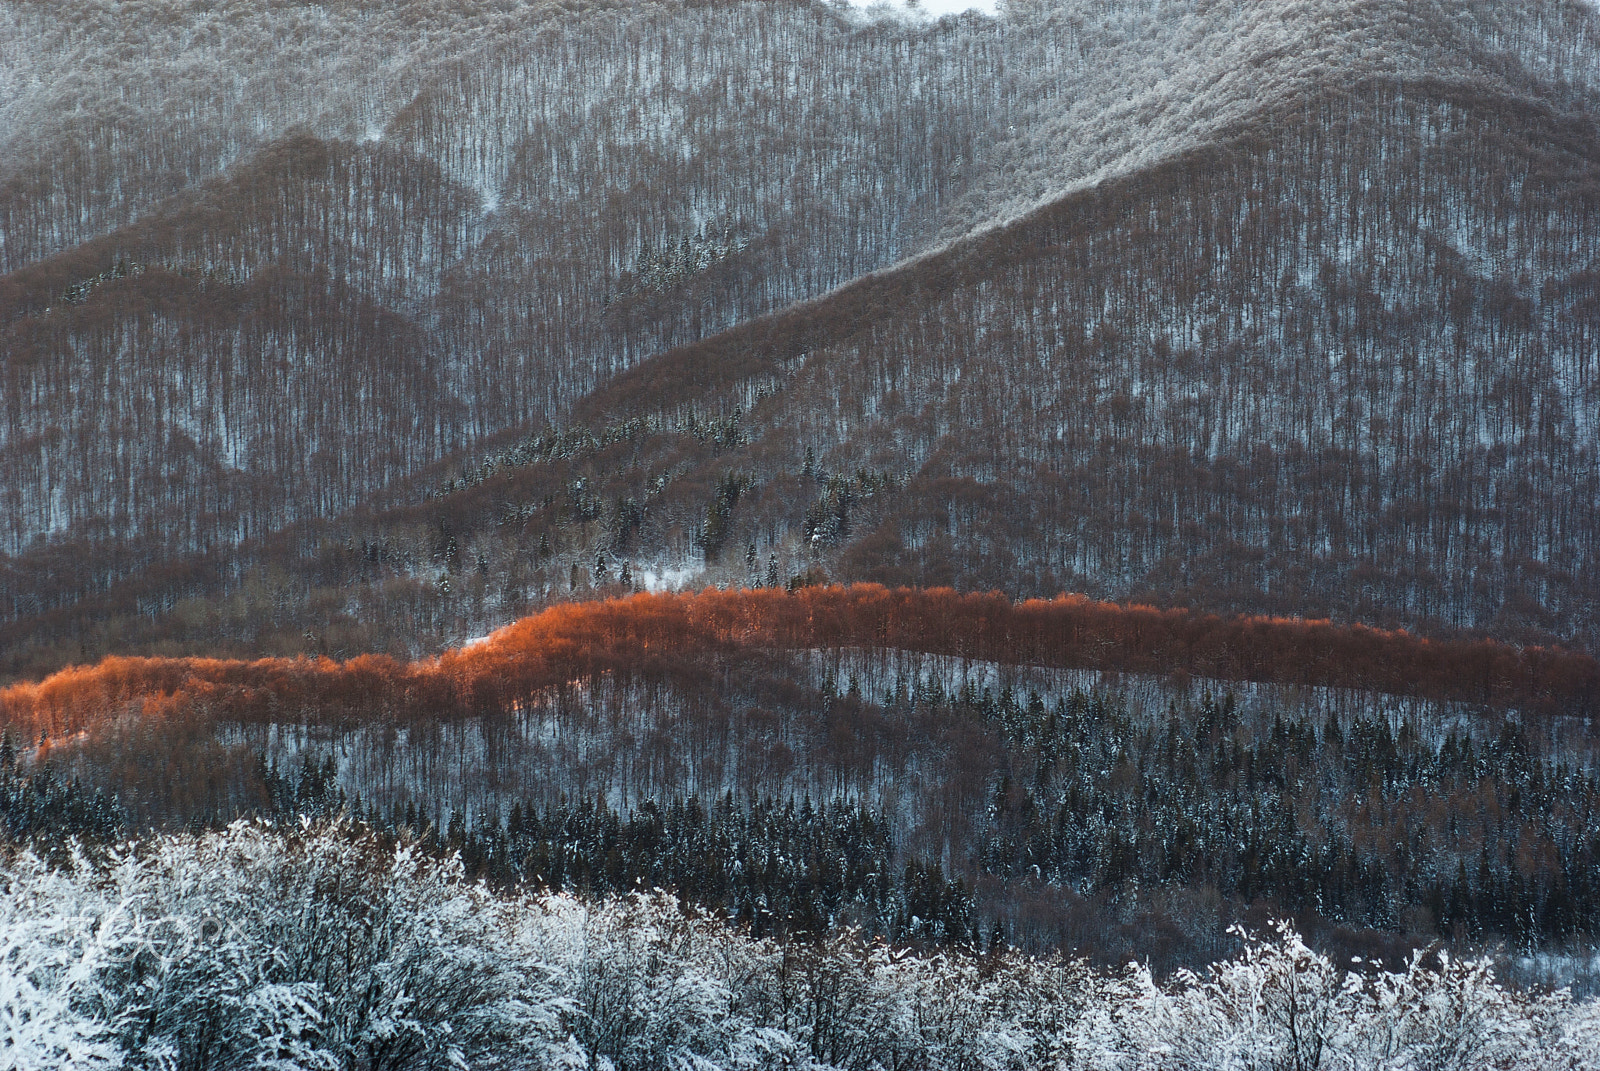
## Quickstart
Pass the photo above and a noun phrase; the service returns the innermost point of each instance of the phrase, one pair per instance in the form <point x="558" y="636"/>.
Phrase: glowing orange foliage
<point x="648" y="634"/>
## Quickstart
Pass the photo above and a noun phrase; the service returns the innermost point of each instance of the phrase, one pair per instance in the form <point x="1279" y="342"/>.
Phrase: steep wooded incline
<point x="1370" y="392"/>
<point x="1284" y="307"/>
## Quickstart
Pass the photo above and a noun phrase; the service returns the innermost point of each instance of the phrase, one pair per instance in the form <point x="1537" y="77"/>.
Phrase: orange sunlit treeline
<point x="655" y="634"/>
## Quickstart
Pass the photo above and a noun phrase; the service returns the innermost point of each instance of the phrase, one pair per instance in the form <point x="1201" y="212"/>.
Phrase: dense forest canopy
<point x="390" y="959"/>
<point x="929" y="766"/>
<point x="1279" y="307"/>
<point x="747" y="533"/>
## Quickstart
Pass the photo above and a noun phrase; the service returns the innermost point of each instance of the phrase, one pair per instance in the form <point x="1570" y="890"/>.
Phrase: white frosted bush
<point x="326" y="948"/>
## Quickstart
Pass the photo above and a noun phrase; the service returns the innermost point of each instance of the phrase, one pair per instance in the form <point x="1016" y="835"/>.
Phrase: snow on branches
<point x="299" y="949"/>
<point x="327" y="947"/>
<point x="1282" y="1005"/>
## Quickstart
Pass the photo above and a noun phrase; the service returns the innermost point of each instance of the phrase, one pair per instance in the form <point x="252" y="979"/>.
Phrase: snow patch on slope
<point x="1120" y="87"/>
<point x="919" y="10"/>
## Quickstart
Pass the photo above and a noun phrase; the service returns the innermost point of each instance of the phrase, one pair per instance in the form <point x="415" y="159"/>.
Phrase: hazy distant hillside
<point x="1290" y="307"/>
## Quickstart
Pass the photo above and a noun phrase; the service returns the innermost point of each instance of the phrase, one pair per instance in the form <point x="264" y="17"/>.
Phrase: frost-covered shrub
<point x="328" y="948"/>
<point x="56" y="938"/>
<point x="650" y="986"/>
<point x="653" y="984"/>
<point x="1282" y="1006"/>
<point x="263" y="947"/>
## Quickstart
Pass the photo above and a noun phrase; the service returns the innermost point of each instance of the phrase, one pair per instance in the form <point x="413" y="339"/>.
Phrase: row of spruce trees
<point x="1367" y="822"/>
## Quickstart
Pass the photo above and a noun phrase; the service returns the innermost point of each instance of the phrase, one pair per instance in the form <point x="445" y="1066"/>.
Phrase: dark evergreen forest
<point x="801" y="761"/>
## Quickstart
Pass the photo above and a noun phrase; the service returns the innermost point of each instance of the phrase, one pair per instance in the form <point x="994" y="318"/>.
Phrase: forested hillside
<point x="927" y="766"/>
<point x="1275" y="307"/>
<point x="749" y="533"/>
<point x="496" y="208"/>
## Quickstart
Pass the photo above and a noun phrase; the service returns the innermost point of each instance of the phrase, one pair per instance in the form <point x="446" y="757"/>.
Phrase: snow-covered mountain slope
<point x="1118" y="87"/>
<point x="1348" y="369"/>
<point x="541" y="197"/>
<point x="1269" y="304"/>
